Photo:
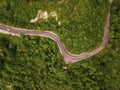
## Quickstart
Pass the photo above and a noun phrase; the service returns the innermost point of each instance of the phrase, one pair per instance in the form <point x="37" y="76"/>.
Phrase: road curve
<point x="69" y="58"/>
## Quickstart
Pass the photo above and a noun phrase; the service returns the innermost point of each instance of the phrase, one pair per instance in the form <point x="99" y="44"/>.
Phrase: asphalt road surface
<point x="68" y="57"/>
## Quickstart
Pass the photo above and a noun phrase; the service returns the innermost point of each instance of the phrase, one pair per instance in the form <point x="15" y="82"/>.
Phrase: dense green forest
<point x="35" y="63"/>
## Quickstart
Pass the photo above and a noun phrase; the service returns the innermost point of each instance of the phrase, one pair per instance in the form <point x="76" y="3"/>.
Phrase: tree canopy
<point x="35" y="63"/>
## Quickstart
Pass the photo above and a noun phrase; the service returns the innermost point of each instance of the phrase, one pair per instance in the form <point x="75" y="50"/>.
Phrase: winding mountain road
<point x="68" y="57"/>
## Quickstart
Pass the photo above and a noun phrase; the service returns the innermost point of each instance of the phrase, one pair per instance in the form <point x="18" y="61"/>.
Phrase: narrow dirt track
<point x="68" y="57"/>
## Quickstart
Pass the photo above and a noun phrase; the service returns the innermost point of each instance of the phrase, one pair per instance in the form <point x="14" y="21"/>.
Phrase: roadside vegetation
<point x="34" y="63"/>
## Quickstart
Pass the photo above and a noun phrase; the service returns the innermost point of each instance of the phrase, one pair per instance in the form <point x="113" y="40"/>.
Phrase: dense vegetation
<point x="79" y="17"/>
<point x="34" y="63"/>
